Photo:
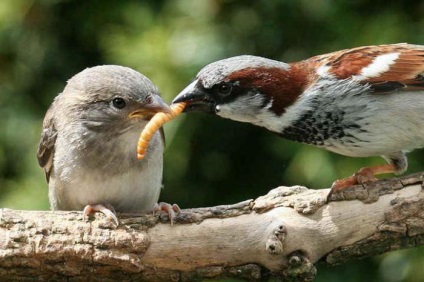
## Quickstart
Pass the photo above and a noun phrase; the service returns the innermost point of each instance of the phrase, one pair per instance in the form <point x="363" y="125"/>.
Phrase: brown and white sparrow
<point x="361" y="102"/>
<point x="89" y="139"/>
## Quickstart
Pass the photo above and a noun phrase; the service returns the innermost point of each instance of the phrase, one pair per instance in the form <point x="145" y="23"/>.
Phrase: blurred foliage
<point x="208" y="161"/>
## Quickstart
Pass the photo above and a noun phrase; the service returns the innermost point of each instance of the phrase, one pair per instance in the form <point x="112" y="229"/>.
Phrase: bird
<point x="359" y="102"/>
<point x="89" y="138"/>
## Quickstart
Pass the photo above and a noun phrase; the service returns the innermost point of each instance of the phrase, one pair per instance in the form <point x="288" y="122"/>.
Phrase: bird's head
<point x="244" y="88"/>
<point x="111" y="96"/>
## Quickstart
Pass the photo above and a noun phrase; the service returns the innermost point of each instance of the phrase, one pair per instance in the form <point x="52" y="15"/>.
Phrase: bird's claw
<point x="171" y="210"/>
<point x="106" y="209"/>
<point x="364" y="175"/>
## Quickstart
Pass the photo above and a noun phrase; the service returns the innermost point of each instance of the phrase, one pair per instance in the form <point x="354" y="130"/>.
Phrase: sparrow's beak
<point x="147" y="110"/>
<point x="197" y="99"/>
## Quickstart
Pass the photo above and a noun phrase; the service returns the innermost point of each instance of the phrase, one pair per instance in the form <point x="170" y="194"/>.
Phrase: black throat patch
<point x="320" y="124"/>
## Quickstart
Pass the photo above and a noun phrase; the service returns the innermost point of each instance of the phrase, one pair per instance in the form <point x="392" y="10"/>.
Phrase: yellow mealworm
<point x="153" y="125"/>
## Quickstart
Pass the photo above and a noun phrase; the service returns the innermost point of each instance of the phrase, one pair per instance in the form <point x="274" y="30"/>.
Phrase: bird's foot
<point x="171" y="210"/>
<point x="364" y="175"/>
<point x="106" y="209"/>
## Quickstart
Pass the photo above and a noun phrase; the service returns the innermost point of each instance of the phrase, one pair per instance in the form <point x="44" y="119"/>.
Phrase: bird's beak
<point x="197" y="99"/>
<point x="150" y="109"/>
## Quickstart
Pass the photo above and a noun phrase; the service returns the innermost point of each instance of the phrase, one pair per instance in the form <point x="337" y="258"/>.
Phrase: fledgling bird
<point x="89" y="139"/>
<point x="361" y="102"/>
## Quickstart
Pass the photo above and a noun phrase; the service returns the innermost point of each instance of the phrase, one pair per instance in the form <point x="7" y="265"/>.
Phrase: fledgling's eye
<point x="119" y="103"/>
<point x="225" y="88"/>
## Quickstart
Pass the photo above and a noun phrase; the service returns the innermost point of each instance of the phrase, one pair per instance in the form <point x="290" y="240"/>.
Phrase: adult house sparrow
<point x="361" y="102"/>
<point x="89" y="139"/>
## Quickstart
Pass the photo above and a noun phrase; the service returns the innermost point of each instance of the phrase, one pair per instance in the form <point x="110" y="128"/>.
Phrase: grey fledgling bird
<point x="89" y="140"/>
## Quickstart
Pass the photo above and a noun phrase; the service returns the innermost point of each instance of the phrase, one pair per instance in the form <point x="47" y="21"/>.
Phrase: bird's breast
<point x="357" y="122"/>
<point x="101" y="170"/>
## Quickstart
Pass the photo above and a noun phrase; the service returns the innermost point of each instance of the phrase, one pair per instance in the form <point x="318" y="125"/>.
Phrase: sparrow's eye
<point x="225" y="88"/>
<point x="119" y="103"/>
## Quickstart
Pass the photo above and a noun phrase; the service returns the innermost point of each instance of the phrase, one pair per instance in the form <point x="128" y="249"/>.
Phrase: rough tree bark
<point x="282" y="233"/>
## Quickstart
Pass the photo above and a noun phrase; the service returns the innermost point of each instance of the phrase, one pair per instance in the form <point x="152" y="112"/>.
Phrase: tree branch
<point x="282" y="233"/>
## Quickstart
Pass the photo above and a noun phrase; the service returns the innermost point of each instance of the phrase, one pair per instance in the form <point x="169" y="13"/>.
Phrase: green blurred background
<point x="209" y="161"/>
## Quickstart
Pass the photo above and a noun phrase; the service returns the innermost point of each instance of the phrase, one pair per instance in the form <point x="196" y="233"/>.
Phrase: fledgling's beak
<point x="197" y="99"/>
<point x="148" y="110"/>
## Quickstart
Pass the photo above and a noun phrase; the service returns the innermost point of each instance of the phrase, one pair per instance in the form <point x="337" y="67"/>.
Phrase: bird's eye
<point x="119" y="103"/>
<point x="225" y="88"/>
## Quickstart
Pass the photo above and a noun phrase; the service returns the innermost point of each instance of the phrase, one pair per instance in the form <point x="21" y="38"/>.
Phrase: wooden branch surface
<point x="282" y="233"/>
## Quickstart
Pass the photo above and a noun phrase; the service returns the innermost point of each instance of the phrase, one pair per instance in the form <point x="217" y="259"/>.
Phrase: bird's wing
<point x="47" y="143"/>
<point x="385" y="68"/>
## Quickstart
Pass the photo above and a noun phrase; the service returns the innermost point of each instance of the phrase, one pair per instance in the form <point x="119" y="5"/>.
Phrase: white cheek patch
<point x="251" y="109"/>
<point x="244" y="108"/>
<point x="379" y="65"/>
